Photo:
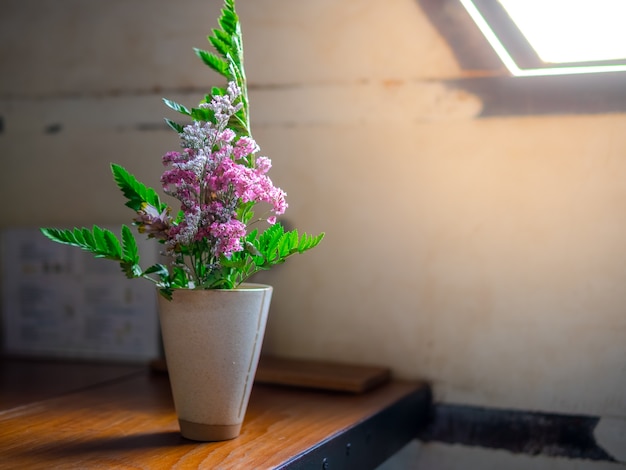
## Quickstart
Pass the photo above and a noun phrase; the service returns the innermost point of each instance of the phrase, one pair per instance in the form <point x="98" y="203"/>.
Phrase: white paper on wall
<point x="60" y="301"/>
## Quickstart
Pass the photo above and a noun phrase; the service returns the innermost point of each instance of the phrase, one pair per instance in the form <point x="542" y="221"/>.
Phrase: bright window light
<point x="568" y="36"/>
<point x="562" y="31"/>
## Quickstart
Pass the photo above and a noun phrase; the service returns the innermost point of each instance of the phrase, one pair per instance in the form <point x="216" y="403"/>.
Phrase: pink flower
<point x="227" y="237"/>
<point x="245" y="146"/>
<point x="211" y="176"/>
<point x="150" y="221"/>
<point x="263" y="165"/>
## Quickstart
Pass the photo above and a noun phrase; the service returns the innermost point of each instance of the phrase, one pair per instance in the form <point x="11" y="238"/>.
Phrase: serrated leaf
<point x="252" y="249"/>
<point x="78" y="236"/>
<point x="229" y="20"/>
<point x="136" y="192"/>
<point x="220" y="41"/>
<point x="100" y="242"/>
<point x="176" y="107"/>
<point x="213" y="61"/>
<point x="305" y="243"/>
<point x="158" y="269"/>
<point x="202" y="114"/>
<point x="174" y="125"/>
<point x="131" y="270"/>
<point x="89" y="240"/>
<point x="113" y="247"/>
<point x="130" y="252"/>
<point x="60" y="236"/>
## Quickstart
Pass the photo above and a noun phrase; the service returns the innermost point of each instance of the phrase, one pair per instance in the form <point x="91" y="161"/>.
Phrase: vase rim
<point x="247" y="286"/>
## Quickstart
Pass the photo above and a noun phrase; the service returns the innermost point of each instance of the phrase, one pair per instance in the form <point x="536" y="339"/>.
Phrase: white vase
<point x="212" y="341"/>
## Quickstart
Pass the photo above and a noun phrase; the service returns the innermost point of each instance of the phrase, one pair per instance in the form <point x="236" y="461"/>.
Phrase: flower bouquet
<point x="213" y="240"/>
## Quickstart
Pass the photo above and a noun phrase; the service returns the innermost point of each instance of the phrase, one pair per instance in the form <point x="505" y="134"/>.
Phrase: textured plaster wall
<point x="485" y="255"/>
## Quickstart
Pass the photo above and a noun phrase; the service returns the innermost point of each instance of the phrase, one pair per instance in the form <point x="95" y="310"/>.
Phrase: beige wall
<point x="485" y="255"/>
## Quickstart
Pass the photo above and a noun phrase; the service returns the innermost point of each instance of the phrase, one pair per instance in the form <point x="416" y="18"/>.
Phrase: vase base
<point x="208" y="432"/>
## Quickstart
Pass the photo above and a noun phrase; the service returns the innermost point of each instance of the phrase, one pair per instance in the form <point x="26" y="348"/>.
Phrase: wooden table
<point x="86" y="416"/>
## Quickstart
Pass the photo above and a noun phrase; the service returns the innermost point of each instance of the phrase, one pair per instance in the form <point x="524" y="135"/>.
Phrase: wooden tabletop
<point x="56" y="415"/>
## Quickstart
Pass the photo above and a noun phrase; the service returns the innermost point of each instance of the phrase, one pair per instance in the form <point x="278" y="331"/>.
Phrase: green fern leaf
<point x="157" y="269"/>
<point x="174" y="125"/>
<point x="213" y="61"/>
<point x="220" y="41"/>
<point x="131" y="270"/>
<point x="113" y="247"/>
<point x="229" y="19"/>
<point x="130" y="252"/>
<point x="60" y="236"/>
<point x="89" y="239"/>
<point x="176" y="107"/>
<point x="136" y="192"/>
<point x="100" y="242"/>
<point x="78" y="236"/>
<point x="202" y="114"/>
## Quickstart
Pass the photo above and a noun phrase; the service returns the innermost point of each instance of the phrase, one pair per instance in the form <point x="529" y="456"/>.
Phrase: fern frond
<point x="174" y="125"/>
<point x="136" y="192"/>
<point x="179" y="108"/>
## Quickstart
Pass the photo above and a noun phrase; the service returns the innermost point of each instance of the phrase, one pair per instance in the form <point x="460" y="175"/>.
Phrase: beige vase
<point x="212" y="341"/>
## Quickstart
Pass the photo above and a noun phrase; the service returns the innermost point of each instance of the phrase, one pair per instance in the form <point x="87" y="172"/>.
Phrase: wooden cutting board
<point x="323" y="375"/>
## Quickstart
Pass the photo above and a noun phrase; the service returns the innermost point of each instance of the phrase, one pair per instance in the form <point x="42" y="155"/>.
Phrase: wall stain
<point x="53" y="128"/>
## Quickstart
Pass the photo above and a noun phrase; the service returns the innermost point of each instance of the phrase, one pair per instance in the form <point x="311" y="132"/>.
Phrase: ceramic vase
<point x="212" y="341"/>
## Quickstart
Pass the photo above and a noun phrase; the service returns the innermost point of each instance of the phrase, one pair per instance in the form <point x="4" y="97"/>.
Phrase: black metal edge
<point x="369" y="443"/>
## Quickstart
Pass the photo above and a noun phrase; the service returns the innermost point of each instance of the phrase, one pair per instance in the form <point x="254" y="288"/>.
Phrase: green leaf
<point x="88" y="237"/>
<point x="228" y="62"/>
<point x="166" y="292"/>
<point x="157" y="269"/>
<point x="202" y="114"/>
<point x="112" y="244"/>
<point x="61" y="236"/>
<point x="100" y="242"/>
<point x="176" y="107"/>
<point x="213" y="61"/>
<point x="245" y="212"/>
<point x="131" y="270"/>
<point x="78" y="236"/>
<point x="130" y="252"/>
<point x="309" y="241"/>
<point x="178" y="278"/>
<point x="98" y="238"/>
<point x="174" y="125"/>
<point x="106" y="244"/>
<point x="103" y="243"/>
<point x="136" y="192"/>
<point x="221" y="41"/>
<point x="229" y="20"/>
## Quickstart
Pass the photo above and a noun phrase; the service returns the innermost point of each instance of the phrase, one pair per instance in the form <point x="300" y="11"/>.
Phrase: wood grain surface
<point x="130" y="423"/>
<point x="24" y="380"/>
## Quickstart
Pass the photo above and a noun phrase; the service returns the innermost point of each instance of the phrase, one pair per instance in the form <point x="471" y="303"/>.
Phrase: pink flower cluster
<point x="212" y="176"/>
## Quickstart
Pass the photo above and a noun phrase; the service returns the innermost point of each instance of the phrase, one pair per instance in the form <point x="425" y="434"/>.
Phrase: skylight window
<point x="554" y="37"/>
